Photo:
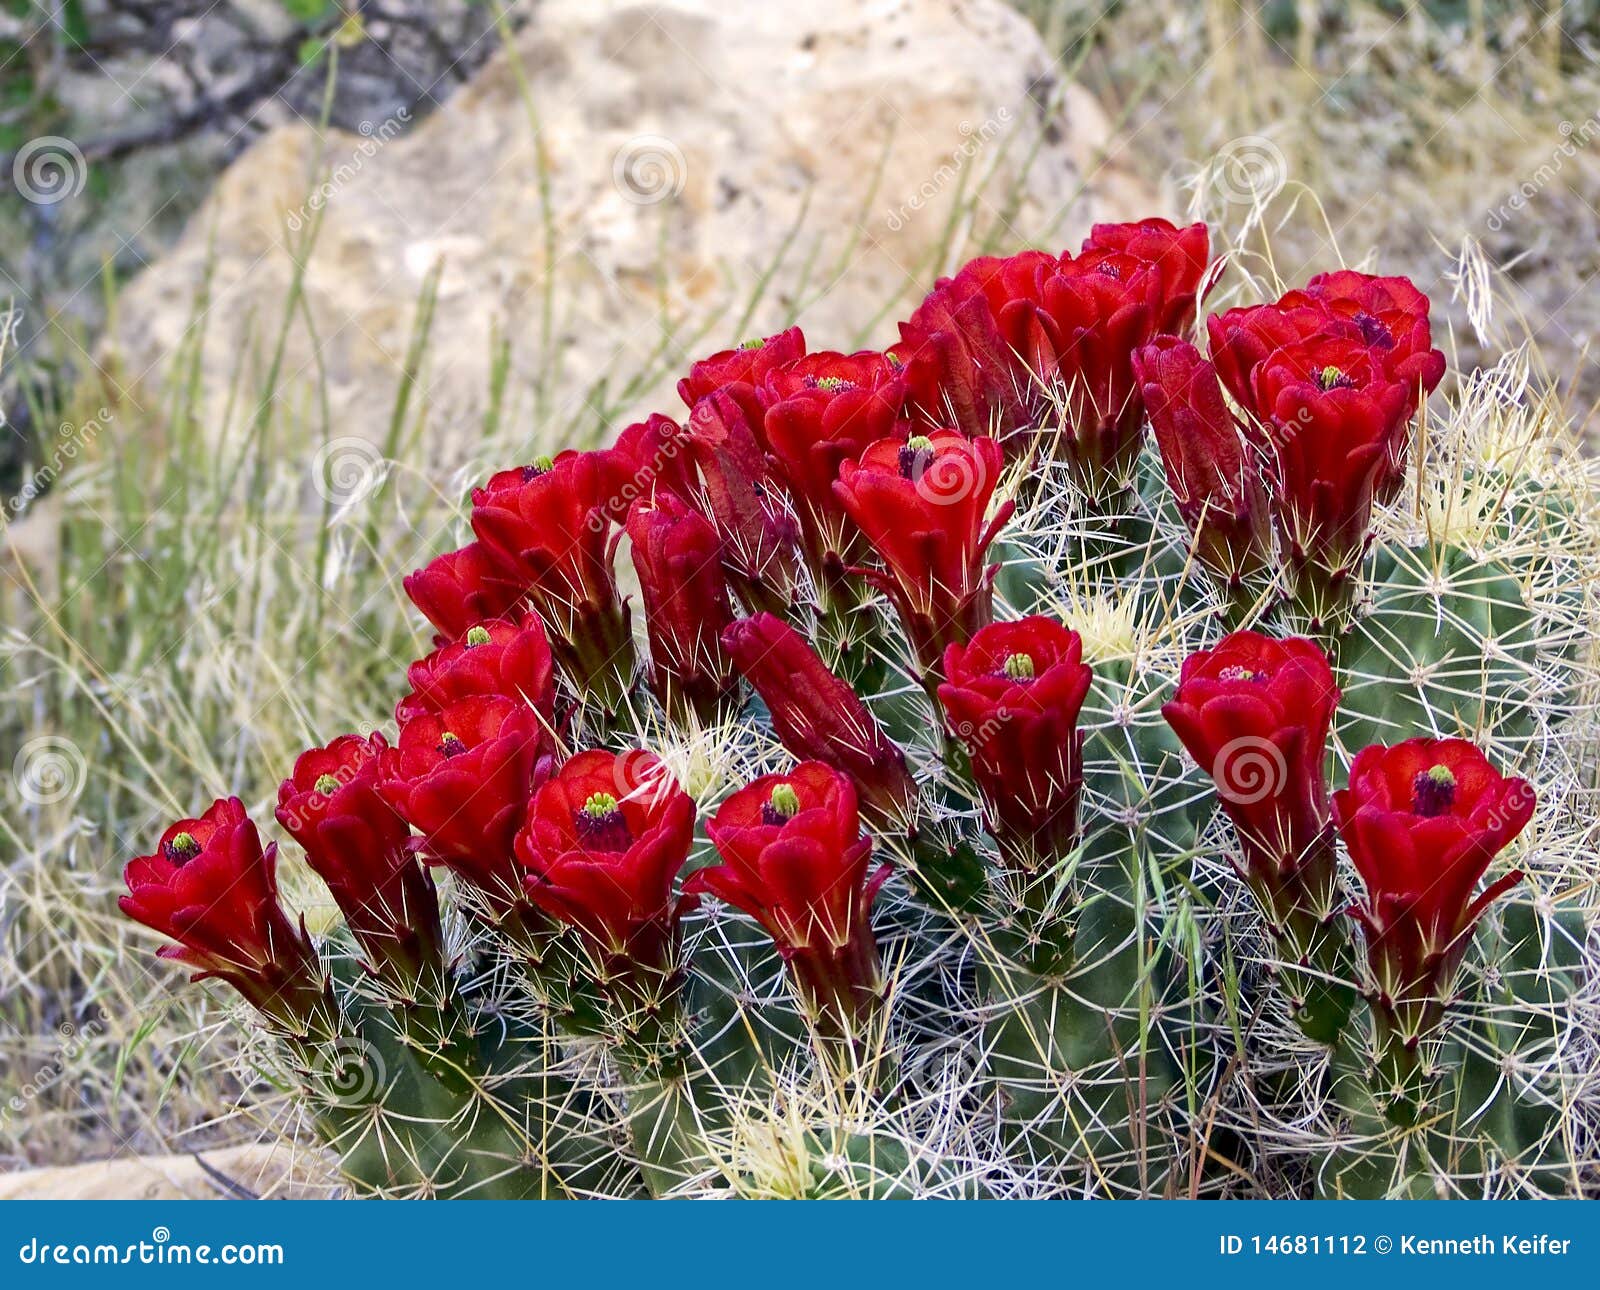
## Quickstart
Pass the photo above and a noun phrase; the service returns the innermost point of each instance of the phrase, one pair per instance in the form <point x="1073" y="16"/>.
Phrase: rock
<point x="687" y="145"/>
<point x="275" y="1171"/>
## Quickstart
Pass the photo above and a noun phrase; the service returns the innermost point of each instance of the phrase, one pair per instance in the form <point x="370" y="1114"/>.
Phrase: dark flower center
<point x="181" y="848"/>
<point x="1331" y="378"/>
<point x="539" y="466"/>
<point x="1373" y="332"/>
<point x="327" y="785"/>
<point x="451" y="745"/>
<point x="830" y="384"/>
<point x="1018" y="667"/>
<point x="601" y="825"/>
<point x="477" y="636"/>
<point x="1433" y="792"/>
<point x="916" y="455"/>
<point x="782" y="806"/>
<point x="1109" y="270"/>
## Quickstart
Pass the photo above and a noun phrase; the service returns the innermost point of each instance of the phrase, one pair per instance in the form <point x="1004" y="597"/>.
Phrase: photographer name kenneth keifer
<point x="1484" y="1244"/>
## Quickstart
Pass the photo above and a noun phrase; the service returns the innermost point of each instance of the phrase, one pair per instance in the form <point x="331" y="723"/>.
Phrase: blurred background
<point x="280" y="279"/>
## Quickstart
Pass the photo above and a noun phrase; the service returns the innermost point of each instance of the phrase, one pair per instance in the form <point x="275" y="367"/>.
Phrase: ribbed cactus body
<point x="1449" y="644"/>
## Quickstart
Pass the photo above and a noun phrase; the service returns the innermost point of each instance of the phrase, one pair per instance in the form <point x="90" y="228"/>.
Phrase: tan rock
<point x="686" y="144"/>
<point x="277" y="1171"/>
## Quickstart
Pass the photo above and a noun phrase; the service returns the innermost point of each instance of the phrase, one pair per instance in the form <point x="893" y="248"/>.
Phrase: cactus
<point x="939" y="899"/>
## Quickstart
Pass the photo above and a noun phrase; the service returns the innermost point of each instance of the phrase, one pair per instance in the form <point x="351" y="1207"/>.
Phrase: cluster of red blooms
<point x="1325" y="384"/>
<point x="852" y="471"/>
<point x="1422" y="820"/>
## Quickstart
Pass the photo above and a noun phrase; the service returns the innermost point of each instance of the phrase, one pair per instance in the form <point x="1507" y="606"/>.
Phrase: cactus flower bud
<point x="1423" y="820"/>
<point x="794" y="858"/>
<point x="820" y="718"/>
<point x="747" y="504"/>
<point x="658" y="458"/>
<point x="356" y="843"/>
<point x="921" y="503"/>
<point x="555" y="528"/>
<point x="958" y="372"/>
<point x="1012" y="696"/>
<point x="679" y="562"/>
<point x="1214" y="479"/>
<point x="210" y="887"/>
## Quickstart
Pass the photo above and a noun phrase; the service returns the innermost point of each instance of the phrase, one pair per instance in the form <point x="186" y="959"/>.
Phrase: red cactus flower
<point x="1255" y="712"/>
<point x="921" y="503"/>
<point x="462" y="777"/>
<point x="820" y="718"/>
<point x="356" y="843"/>
<point x="741" y="371"/>
<point x="1243" y="338"/>
<point x="1012" y="695"/>
<point x="1337" y="430"/>
<point x="493" y="657"/>
<point x="1332" y="425"/>
<point x="958" y="372"/>
<point x="1391" y="315"/>
<point x="552" y="522"/>
<point x="1076" y="334"/>
<point x="210" y="887"/>
<point x="679" y="562"/>
<point x="603" y="841"/>
<point x="747" y="503"/>
<point x="1387" y="317"/>
<point x="794" y="858"/>
<point x="1177" y="259"/>
<point x="1215" y="480"/>
<point x="654" y="456"/>
<point x="822" y="410"/>
<point x="461" y="588"/>
<point x="1423" y="820"/>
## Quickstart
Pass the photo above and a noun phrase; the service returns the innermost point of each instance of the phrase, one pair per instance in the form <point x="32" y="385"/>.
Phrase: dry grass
<point x="1415" y="126"/>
